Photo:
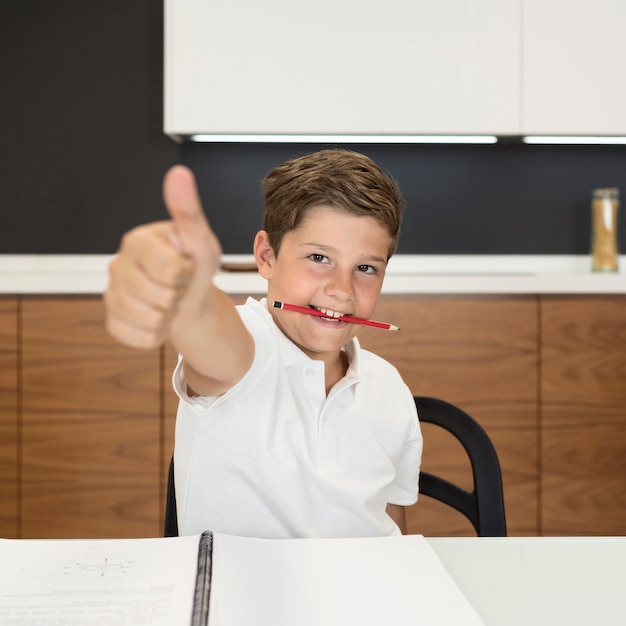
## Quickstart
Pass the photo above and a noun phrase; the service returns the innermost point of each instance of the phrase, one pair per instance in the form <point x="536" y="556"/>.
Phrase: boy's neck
<point x="336" y="370"/>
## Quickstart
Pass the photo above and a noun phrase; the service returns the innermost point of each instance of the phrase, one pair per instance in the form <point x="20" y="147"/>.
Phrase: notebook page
<point x="333" y="582"/>
<point x="103" y="582"/>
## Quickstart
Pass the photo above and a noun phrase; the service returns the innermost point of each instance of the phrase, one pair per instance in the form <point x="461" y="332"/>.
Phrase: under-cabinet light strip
<point x="572" y="140"/>
<point x="406" y="139"/>
<point x="475" y="139"/>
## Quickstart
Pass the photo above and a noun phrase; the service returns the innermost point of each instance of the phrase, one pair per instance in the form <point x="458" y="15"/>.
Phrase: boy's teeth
<point x="330" y="313"/>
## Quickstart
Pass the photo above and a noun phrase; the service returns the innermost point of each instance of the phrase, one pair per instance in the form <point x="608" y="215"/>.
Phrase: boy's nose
<point x="341" y="286"/>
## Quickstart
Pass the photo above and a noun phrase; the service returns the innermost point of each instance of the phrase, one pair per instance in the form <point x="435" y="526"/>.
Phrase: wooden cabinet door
<point x="91" y="426"/>
<point x="583" y="416"/>
<point x="481" y="354"/>
<point x="546" y="377"/>
<point x="8" y="418"/>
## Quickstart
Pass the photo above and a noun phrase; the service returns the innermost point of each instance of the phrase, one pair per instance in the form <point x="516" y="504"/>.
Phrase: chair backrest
<point x="484" y="505"/>
<point x="171" y="520"/>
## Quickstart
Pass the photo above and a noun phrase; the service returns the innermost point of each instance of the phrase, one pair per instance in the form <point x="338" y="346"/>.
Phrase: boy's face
<point x="334" y="261"/>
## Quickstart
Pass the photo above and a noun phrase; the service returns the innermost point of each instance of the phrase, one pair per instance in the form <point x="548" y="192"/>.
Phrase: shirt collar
<point x="292" y="355"/>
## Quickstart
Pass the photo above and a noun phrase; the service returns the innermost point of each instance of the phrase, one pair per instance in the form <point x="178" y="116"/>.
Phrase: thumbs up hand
<point x="162" y="276"/>
<point x="192" y="233"/>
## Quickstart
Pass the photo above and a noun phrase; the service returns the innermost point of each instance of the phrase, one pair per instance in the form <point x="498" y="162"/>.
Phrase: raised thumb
<point x="182" y="200"/>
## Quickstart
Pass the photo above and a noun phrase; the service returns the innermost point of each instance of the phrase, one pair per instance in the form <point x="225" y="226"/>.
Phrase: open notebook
<point x="223" y="580"/>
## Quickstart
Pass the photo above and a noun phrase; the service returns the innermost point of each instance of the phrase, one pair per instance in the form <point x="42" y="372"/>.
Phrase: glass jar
<point x="604" y="207"/>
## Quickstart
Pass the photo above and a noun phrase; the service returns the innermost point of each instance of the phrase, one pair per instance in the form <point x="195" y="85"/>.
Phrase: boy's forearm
<point x="398" y="515"/>
<point x="216" y="347"/>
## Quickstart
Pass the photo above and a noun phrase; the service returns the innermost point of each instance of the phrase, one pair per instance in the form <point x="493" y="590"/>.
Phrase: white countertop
<point x="406" y="274"/>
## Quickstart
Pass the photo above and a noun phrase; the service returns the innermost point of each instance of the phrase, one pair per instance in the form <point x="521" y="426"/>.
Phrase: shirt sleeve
<point x="200" y="403"/>
<point x="258" y="327"/>
<point x="404" y="490"/>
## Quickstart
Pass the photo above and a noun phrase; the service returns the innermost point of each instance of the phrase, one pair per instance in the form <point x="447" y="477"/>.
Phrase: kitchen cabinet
<point x="481" y="354"/>
<point x="87" y="425"/>
<point x="8" y="417"/>
<point x="90" y="420"/>
<point x="583" y="415"/>
<point x="573" y="63"/>
<point x="350" y="67"/>
<point x="504" y="67"/>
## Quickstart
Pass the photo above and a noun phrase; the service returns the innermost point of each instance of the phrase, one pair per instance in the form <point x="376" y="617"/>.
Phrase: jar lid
<point x="612" y="192"/>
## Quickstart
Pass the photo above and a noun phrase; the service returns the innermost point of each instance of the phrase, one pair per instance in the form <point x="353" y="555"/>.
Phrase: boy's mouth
<point x="333" y="316"/>
<point x="329" y="313"/>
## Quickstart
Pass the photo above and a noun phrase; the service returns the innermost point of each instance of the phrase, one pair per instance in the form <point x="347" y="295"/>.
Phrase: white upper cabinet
<point x="343" y="67"/>
<point x="574" y="60"/>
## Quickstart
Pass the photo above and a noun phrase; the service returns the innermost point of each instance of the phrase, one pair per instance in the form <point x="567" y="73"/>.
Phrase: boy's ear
<point x="264" y="254"/>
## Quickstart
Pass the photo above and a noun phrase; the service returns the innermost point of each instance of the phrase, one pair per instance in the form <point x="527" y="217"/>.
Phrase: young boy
<point x="286" y="427"/>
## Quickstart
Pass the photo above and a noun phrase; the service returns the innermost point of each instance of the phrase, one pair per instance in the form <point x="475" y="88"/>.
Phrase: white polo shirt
<point x="276" y="457"/>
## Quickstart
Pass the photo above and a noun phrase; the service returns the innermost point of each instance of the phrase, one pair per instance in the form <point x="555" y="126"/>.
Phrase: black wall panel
<point x="81" y="112"/>
<point x="479" y="199"/>
<point x="83" y="153"/>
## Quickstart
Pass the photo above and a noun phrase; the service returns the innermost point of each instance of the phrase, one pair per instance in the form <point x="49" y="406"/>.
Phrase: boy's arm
<point x="161" y="287"/>
<point x="397" y="514"/>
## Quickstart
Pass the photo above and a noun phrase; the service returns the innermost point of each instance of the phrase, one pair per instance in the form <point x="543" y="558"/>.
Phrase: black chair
<point x="171" y="521"/>
<point x="484" y="506"/>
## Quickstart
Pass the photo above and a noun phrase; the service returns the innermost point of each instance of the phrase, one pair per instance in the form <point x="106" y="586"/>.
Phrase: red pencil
<point x="343" y="318"/>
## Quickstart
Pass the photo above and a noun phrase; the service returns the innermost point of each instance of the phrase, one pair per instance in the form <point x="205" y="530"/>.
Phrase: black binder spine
<point x="200" y="615"/>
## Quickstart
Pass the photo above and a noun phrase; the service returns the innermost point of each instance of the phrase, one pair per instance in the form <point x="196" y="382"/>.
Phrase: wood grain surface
<point x="8" y="417"/>
<point x="583" y="395"/>
<point x="91" y="426"/>
<point x="87" y="426"/>
<point x="481" y="354"/>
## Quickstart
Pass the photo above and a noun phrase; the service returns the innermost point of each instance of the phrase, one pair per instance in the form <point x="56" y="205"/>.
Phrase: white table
<point x="555" y="581"/>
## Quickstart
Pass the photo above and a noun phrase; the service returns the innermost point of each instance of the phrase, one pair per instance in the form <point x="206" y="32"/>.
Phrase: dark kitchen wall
<point x="83" y="153"/>
<point x="478" y="199"/>
<point x="81" y="108"/>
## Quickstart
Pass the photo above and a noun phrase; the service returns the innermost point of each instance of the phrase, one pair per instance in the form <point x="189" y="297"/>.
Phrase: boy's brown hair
<point x="339" y="178"/>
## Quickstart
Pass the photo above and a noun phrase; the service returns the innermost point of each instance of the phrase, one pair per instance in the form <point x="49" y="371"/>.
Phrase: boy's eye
<point x="367" y="269"/>
<point x="318" y="258"/>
